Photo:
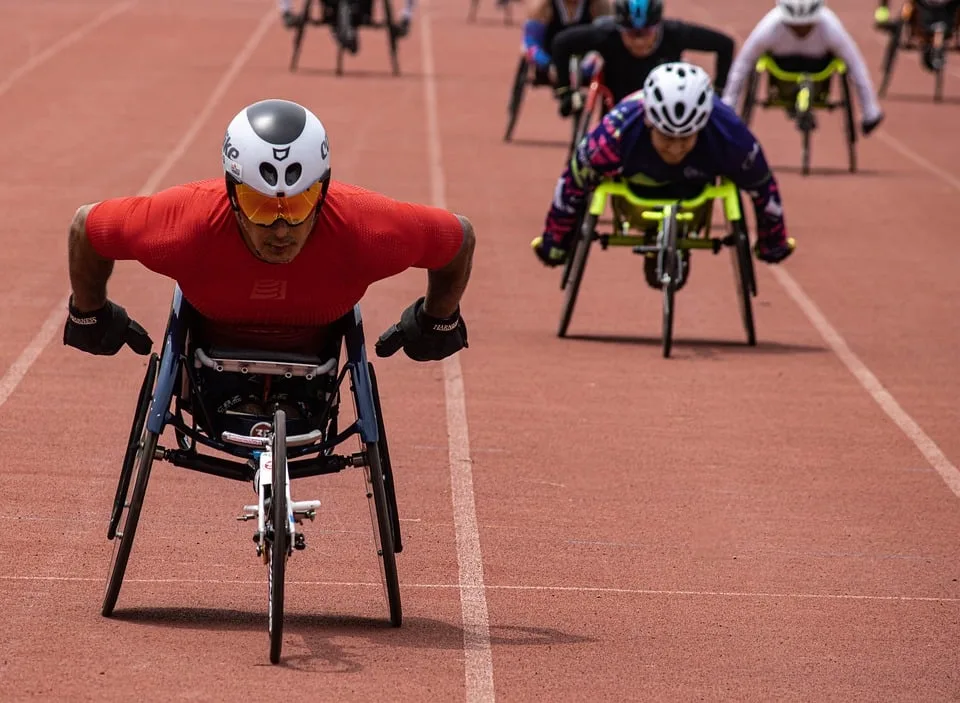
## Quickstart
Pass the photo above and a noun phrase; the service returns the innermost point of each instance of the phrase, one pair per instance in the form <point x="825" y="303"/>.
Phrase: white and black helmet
<point x="276" y="147"/>
<point x="678" y="98"/>
<point x="799" y="11"/>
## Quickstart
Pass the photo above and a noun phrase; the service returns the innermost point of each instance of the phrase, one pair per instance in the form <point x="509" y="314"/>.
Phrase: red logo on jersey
<point x="267" y="289"/>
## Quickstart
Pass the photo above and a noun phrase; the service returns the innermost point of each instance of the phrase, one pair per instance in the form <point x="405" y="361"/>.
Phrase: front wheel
<point x="584" y="238"/>
<point x="382" y="531"/>
<point x="278" y="541"/>
<point x="669" y="276"/>
<point x="742" y="272"/>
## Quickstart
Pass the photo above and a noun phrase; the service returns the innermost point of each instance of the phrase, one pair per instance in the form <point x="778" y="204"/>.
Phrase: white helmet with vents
<point x="678" y="98"/>
<point x="799" y="11"/>
<point x="276" y="147"/>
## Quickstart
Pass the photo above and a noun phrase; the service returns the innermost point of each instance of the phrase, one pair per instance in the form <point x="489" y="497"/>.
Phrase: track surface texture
<point x="583" y="519"/>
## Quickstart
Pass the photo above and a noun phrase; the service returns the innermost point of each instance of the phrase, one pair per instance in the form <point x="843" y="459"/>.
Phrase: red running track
<point x="732" y="523"/>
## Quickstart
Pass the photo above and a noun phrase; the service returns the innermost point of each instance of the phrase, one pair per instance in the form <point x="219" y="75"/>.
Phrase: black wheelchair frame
<point x="909" y="35"/>
<point x="345" y="9"/>
<point x="173" y="373"/>
<point x="518" y="89"/>
<point x="803" y="115"/>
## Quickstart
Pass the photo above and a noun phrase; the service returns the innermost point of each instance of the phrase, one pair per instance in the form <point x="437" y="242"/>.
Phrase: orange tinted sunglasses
<point x="264" y="210"/>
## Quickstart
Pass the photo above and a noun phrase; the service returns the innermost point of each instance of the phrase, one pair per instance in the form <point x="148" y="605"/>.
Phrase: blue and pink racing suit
<point x="620" y="146"/>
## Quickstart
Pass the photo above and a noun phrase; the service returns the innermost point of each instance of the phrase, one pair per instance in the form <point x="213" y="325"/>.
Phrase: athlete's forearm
<point x="705" y="39"/>
<point x="89" y="272"/>
<point x="445" y="286"/>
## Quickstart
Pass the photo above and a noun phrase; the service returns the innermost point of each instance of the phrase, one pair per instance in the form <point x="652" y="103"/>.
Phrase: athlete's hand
<point x="570" y="100"/>
<point x="547" y="252"/>
<point x="104" y="331"/>
<point x="773" y="246"/>
<point x="424" y="337"/>
<point x="869" y="125"/>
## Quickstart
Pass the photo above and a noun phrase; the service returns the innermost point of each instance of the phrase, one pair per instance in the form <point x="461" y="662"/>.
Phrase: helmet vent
<point x="292" y="174"/>
<point x="269" y="173"/>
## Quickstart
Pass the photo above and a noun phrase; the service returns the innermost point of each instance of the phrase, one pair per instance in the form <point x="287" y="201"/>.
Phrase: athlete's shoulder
<point x="726" y="124"/>
<point x="770" y="22"/>
<point x="675" y="26"/>
<point x="829" y="22"/>
<point x="629" y="110"/>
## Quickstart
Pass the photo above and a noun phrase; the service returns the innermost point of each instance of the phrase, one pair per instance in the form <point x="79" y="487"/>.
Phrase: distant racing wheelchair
<point x="931" y="27"/>
<point x="801" y="90"/>
<point x="658" y="156"/>
<point x="345" y="17"/>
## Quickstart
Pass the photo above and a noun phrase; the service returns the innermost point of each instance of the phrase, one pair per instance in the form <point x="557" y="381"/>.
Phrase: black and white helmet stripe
<point x="277" y="147"/>
<point x="678" y="98"/>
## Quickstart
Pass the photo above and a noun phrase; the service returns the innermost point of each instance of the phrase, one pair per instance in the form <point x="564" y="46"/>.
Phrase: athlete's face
<point x="279" y="243"/>
<point x="640" y="42"/>
<point x="801" y="30"/>
<point x="672" y="150"/>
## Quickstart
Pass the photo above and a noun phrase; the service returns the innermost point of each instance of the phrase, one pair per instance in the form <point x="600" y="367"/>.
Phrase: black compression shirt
<point x="624" y="73"/>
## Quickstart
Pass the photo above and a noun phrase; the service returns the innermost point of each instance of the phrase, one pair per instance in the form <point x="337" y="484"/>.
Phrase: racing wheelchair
<point x="267" y="450"/>
<point x="530" y="75"/>
<point x="920" y="29"/>
<point x="801" y="94"/>
<point x="597" y="103"/>
<point x="339" y="15"/>
<point x="682" y="225"/>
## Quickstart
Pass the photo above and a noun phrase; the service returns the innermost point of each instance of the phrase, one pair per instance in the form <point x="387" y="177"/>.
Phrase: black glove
<point x="423" y="337"/>
<point x="104" y="331"/>
<point x="869" y="125"/>
<point x="570" y="100"/>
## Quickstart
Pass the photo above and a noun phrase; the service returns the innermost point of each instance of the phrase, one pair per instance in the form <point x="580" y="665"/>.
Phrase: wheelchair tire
<point x="391" y="37"/>
<point x="669" y="265"/>
<point x="748" y="260"/>
<point x="578" y="258"/>
<point x="382" y="532"/>
<point x="849" y="124"/>
<point x="133" y="443"/>
<point x="568" y="264"/>
<point x="743" y="279"/>
<point x="298" y="35"/>
<point x="516" y="98"/>
<point x="889" y="57"/>
<point x="388" y="483"/>
<point x="938" y="78"/>
<point x="277" y="539"/>
<point x="123" y="546"/>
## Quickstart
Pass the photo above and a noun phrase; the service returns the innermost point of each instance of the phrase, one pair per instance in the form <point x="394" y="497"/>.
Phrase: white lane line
<point x="867" y="379"/>
<point x="12" y="377"/>
<point x="906" y="151"/>
<point x="58" y="46"/>
<point x="931" y="452"/>
<point x="478" y="662"/>
<point x="518" y="587"/>
<point x="54" y="322"/>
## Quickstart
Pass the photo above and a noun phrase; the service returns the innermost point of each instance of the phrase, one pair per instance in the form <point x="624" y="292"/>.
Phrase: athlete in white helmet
<point x="670" y="140"/>
<point x="804" y="36"/>
<point x="272" y="253"/>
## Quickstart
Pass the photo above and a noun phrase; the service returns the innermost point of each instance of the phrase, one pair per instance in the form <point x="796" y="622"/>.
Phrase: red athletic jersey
<point x="190" y="234"/>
